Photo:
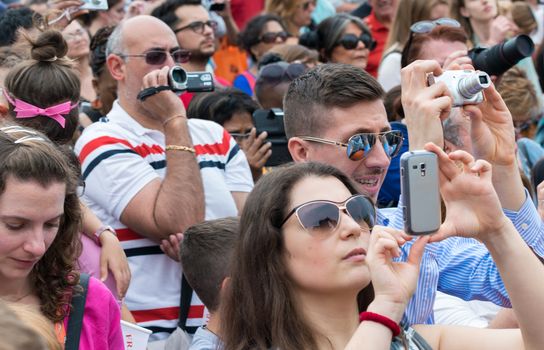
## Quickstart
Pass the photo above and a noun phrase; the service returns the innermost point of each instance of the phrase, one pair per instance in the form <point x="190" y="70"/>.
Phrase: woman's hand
<point x="62" y="12"/>
<point x="113" y="258"/>
<point x="393" y="282"/>
<point x="472" y="206"/>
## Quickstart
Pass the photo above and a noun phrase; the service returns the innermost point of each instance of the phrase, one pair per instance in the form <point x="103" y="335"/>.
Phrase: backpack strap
<point x="185" y="305"/>
<point x="75" y="319"/>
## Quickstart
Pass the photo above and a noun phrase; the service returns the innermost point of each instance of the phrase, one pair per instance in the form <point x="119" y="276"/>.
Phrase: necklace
<point x="17" y="299"/>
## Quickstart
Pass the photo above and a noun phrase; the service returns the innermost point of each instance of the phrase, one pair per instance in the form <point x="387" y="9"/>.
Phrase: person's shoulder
<point x="203" y="339"/>
<point x="206" y="128"/>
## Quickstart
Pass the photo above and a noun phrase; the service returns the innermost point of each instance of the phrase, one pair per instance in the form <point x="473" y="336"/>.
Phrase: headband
<point x="26" y="110"/>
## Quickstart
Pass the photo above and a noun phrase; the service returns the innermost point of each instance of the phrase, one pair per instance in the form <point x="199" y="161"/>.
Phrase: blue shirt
<point x="462" y="267"/>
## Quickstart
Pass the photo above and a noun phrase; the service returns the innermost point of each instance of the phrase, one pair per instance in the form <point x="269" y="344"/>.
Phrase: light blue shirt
<point x="462" y="267"/>
<point x="203" y="339"/>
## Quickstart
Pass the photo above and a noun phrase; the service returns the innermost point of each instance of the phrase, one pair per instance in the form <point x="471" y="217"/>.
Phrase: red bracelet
<point x="386" y="321"/>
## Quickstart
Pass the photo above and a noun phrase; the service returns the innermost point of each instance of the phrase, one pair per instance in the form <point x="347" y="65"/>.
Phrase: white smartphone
<point x="420" y="192"/>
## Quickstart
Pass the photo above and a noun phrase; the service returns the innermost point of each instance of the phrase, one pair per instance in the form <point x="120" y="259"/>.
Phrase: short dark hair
<point x="324" y="87"/>
<point x="12" y="20"/>
<point x="99" y="41"/>
<point x="249" y="37"/>
<point x="206" y="255"/>
<point x="219" y="106"/>
<point x="166" y="12"/>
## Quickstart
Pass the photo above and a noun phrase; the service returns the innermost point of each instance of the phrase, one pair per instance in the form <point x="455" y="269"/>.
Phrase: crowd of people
<point x="252" y="199"/>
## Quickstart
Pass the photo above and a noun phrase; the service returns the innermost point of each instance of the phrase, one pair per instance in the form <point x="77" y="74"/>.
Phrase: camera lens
<point x="473" y="83"/>
<point x="499" y="58"/>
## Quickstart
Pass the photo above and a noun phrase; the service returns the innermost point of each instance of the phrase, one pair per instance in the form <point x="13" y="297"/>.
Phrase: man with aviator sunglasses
<point x="334" y="114"/>
<point x="150" y="172"/>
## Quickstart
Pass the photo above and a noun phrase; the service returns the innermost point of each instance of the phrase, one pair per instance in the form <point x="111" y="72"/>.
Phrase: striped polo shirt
<point x="118" y="158"/>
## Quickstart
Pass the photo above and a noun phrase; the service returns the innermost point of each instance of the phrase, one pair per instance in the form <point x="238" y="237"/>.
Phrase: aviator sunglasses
<point x="360" y="145"/>
<point x="350" y="41"/>
<point x="158" y="57"/>
<point x="322" y="217"/>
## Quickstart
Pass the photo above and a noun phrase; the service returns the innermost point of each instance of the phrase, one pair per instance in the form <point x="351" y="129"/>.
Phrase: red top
<point x="244" y="10"/>
<point x="379" y="33"/>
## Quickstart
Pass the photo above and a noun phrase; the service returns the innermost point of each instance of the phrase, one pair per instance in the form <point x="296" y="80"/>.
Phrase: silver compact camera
<point x="465" y="86"/>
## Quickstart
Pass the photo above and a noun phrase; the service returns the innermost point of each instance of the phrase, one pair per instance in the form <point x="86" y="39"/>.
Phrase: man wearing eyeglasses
<point x="150" y="172"/>
<point x="334" y="114"/>
<point x="194" y="30"/>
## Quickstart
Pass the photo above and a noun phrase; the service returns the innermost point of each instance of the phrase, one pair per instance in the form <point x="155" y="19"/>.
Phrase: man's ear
<point x="298" y="149"/>
<point x="116" y="66"/>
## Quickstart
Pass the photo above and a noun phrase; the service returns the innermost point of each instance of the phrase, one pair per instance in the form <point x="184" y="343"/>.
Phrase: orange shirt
<point x="379" y="33"/>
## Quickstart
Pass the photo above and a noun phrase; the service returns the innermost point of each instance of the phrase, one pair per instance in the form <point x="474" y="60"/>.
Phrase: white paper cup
<point x="134" y="336"/>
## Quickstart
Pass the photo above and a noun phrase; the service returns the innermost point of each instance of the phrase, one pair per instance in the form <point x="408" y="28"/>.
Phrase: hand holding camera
<point x="157" y="96"/>
<point x="465" y="86"/>
<point x="257" y="151"/>
<point x="424" y="106"/>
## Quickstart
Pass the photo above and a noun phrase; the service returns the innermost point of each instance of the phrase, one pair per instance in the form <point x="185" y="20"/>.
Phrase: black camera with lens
<point x="271" y="121"/>
<point x="180" y="80"/>
<point x="498" y="59"/>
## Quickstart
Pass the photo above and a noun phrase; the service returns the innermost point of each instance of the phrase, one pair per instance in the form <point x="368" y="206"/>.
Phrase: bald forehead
<point x="147" y="30"/>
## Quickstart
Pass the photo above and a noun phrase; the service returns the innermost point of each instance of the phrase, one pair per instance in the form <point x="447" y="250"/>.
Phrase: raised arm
<point x="473" y="210"/>
<point x="177" y="202"/>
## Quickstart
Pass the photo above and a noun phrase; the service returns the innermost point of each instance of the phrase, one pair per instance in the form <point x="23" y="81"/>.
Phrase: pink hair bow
<point x="26" y="110"/>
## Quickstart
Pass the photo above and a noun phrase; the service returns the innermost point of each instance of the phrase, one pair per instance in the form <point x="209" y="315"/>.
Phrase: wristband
<point x="385" y="321"/>
<point x="100" y="231"/>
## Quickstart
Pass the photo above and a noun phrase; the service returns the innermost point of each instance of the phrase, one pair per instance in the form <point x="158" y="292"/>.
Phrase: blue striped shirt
<point x="462" y="267"/>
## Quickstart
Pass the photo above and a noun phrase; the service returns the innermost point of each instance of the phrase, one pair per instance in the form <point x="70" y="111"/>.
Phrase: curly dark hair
<point x="98" y="49"/>
<point x="55" y="275"/>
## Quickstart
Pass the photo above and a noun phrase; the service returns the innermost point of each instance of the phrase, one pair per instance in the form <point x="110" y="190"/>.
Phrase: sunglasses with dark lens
<point x="424" y="27"/>
<point x="350" y="41"/>
<point x="198" y="26"/>
<point x="158" y="57"/>
<point x="321" y="217"/>
<point x="277" y="72"/>
<point x="271" y="37"/>
<point x="360" y="145"/>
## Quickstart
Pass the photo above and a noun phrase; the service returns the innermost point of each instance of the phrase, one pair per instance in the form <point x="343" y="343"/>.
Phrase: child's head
<point x="205" y="256"/>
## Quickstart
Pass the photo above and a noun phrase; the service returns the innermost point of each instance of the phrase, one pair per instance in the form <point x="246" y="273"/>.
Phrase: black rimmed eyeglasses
<point x="198" y="26"/>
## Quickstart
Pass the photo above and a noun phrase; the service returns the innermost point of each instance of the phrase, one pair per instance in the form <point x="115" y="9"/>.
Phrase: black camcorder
<point x="498" y="59"/>
<point x="180" y="80"/>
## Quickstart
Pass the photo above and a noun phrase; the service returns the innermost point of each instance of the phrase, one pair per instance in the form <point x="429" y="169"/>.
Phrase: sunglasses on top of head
<point x="350" y="41"/>
<point x="271" y="37"/>
<point x="306" y="5"/>
<point x="360" y="145"/>
<point x="158" y="57"/>
<point x="321" y="217"/>
<point x="424" y="27"/>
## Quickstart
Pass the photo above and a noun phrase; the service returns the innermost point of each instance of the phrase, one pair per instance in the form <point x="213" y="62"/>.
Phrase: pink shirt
<point x="101" y="328"/>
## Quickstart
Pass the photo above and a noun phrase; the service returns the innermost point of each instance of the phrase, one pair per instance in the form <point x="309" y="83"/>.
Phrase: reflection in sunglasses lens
<point x="319" y="217"/>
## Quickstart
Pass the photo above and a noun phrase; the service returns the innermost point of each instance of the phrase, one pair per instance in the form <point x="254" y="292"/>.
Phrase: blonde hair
<point x="38" y="323"/>
<point x="518" y="93"/>
<point x="291" y="53"/>
<point x="409" y="12"/>
<point x="284" y="9"/>
<point x="15" y="333"/>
